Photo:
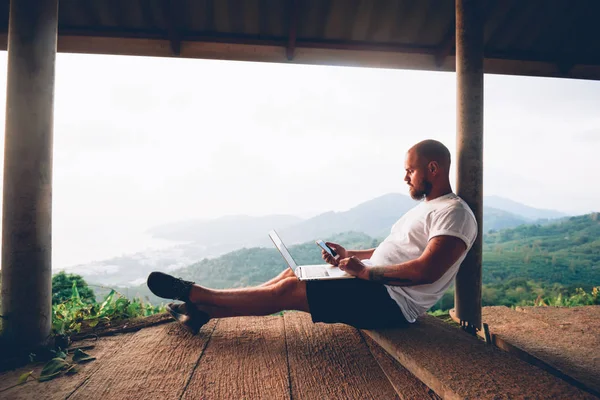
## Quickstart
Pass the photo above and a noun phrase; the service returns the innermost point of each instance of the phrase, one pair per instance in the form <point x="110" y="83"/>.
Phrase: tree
<point x="62" y="285"/>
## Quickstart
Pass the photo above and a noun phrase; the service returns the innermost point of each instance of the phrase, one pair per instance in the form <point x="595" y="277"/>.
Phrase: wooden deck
<point x="289" y="357"/>
<point x="277" y="357"/>
<point x="564" y="341"/>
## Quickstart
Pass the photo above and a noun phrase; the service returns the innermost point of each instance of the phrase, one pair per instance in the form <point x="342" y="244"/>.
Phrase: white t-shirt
<point x="445" y="215"/>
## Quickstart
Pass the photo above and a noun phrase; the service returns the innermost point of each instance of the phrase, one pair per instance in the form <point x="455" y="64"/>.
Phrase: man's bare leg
<point x="286" y="294"/>
<point x="287" y="273"/>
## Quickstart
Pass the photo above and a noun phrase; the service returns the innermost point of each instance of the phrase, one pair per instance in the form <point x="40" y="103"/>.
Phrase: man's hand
<point x="339" y="249"/>
<point x="354" y="267"/>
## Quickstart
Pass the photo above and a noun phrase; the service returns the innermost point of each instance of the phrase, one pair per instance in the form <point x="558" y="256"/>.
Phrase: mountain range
<point x="527" y="212"/>
<point x="374" y="217"/>
<point x="212" y="238"/>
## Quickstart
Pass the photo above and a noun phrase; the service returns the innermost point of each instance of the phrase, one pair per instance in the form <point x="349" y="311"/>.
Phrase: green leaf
<point x="58" y="354"/>
<point x="75" y="293"/>
<point x="53" y="368"/>
<point x="71" y="370"/>
<point x="93" y="322"/>
<point x="23" y="378"/>
<point x="107" y="300"/>
<point x="134" y="309"/>
<point x="58" y="326"/>
<point x="49" y="377"/>
<point x="76" y="327"/>
<point x="121" y="305"/>
<point x="81" y="356"/>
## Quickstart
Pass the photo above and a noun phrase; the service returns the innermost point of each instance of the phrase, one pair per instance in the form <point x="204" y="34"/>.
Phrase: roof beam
<point x="137" y="42"/>
<point x="446" y="46"/>
<point x="503" y="24"/>
<point x="570" y="38"/>
<point x="115" y="12"/>
<point x="290" y="48"/>
<point x="90" y="13"/>
<point x="154" y="43"/>
<point x="147" y="15"/>
<point x="565" y="66"/>
<point x="174" y="13"/>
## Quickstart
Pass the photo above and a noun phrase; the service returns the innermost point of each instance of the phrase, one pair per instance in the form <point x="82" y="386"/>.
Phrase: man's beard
<point x="423" y="192"/>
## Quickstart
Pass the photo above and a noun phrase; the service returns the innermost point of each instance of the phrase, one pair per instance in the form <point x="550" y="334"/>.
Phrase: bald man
<point x="396" y="282"/>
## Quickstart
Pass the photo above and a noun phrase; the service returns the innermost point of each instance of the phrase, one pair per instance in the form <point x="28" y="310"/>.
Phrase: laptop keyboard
<point x="315" y="272"/>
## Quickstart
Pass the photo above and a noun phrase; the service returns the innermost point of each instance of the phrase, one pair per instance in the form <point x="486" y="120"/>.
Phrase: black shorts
<point x="356" y="302"/>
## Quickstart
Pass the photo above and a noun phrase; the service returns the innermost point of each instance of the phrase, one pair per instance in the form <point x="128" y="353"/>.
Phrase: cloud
<point x="588" y="136"/>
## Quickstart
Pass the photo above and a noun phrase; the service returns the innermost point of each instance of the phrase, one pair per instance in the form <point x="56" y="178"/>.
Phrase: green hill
<point x="518" y="264"/>
<point x="253" y="266"/>
<point x="247" y="267"/>
<point x="566" y="252"/>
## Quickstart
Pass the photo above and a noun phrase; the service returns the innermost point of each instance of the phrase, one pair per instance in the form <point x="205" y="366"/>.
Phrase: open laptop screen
<point x="282" y="249"/>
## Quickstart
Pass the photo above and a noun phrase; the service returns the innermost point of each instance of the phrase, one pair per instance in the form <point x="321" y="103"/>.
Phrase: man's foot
<point x="188" y="316"/>
<point x="169" y="287"/>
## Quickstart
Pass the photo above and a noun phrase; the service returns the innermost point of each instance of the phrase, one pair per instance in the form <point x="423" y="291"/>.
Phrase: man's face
<point x="416" y="176"/>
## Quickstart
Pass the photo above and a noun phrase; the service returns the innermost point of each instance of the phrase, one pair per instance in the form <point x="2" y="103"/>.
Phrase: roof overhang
<point x="559" y="39"/>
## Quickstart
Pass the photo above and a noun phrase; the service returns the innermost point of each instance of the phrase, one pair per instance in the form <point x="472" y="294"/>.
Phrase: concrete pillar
<point x="27" y="194"/>
<point x="469" y="142"/>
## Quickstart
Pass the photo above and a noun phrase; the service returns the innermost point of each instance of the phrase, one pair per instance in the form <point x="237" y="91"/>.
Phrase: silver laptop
<point x="308" y="272"/>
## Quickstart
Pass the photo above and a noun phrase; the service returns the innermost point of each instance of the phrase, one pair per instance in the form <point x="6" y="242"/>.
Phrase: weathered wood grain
<point x="572" y="320"/>
<point x="332" y="361"/>
<point x="155" y="363"/>
<point x="459" y="366"/>
<point x="245" y="359"/>
<point x="406" y="384"/>
<point x="568" y="349"/>
<point x="61" y="387"/>
<point x="123" y="326"/>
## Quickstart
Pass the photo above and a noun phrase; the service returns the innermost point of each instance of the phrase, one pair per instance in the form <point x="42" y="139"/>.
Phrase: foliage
<point x="62" y="284"/>
<point x="579" y="298"/>
<point x="567" y="252"/>
<point x="521" y="292"/>
<point x="69" y="316"/>
<point x="81" y="356"/>
<point x="444" y="315"/>
<point x="55" y="367"/>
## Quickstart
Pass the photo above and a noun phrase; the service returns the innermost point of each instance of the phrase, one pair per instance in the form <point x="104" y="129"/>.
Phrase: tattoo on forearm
<point x="377" y="274"/>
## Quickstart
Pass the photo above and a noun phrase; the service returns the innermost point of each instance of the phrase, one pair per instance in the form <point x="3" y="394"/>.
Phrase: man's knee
<point x="290" y="294"/>
<point x="290" y="273"/>
<point x="288" y="287"/>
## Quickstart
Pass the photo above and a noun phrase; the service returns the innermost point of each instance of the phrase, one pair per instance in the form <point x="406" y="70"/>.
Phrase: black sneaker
<point x="188" y="316"/>
<point x="169" y="287"/>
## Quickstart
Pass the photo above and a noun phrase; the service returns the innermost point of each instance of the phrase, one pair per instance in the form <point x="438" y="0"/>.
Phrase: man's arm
<point x="439" y="255"/>
<point x="360" y="254"/>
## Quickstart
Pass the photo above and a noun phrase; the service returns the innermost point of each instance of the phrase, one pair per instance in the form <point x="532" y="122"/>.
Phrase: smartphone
<point x="328" y="249"/>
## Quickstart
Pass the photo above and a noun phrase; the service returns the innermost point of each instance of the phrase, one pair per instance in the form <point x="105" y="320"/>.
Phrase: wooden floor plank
<point x="406" y="384"/>
<point x="332" y="361"/>
<point x="156" y="363"/>
<point x="569" y="350"/>
<point x="459" y="366"/>
<point x="61" y="387"/>
<point x="245" y="359"/>
<point x="572" y="320"/>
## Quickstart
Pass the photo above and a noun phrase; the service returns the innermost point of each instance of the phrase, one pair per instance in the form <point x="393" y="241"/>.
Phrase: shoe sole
<point x="191" y="324"/>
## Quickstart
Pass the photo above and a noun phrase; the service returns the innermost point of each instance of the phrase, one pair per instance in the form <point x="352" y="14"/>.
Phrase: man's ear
<point x="433" y="167"/>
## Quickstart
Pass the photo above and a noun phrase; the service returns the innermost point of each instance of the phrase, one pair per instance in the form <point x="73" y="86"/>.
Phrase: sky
<point x="144" y="141"/>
